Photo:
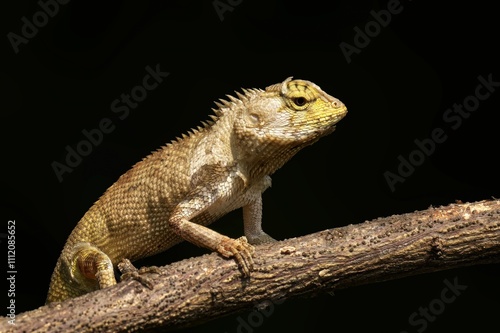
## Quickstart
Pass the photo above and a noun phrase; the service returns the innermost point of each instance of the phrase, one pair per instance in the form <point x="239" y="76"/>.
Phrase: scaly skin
<point x="174" y="193"/>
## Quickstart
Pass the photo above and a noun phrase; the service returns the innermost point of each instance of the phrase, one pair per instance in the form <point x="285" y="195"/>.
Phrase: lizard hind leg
<point x="91" y="266"/>
<point x="129" y="272"/>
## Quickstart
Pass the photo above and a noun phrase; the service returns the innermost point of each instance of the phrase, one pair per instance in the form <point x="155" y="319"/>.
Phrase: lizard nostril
<point x="337" y="104"/>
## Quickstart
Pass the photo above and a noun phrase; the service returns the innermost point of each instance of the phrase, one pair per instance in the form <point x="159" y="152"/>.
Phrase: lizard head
<point x="294" y="111"/>
<point x="285" y="117"/>
<point x="307" y="108"/>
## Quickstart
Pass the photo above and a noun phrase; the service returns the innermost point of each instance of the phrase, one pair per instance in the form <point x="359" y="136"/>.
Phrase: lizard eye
<point x="299" y="101"/>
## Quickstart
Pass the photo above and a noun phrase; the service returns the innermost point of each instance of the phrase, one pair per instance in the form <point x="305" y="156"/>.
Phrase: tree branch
<point x="203" y="288"/>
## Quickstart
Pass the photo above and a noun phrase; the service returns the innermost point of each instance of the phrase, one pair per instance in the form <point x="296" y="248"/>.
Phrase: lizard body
<point x="175" y="192"/>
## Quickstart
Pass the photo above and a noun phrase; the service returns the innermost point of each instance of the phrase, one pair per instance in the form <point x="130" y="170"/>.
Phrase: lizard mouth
<point x="334" y="117"/>
<point x="326" y="124"/>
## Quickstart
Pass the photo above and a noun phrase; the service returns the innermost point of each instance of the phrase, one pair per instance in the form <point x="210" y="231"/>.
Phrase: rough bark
<point x="200" y="289"/>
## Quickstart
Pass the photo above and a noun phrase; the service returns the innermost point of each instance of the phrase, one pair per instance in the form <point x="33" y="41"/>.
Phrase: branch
<point x="199" y="289"/>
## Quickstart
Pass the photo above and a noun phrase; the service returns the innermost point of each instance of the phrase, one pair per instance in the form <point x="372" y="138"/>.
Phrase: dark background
<point x="396" y="89"/>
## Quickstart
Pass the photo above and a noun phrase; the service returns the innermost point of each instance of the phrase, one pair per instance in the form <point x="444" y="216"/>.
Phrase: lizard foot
<point x="240" y="250"/>
<point x="260" y="238"/>
<point x="130" y="272"/>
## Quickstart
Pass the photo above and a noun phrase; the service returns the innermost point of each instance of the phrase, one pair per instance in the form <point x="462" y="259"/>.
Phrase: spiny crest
<point x="223" y="105"/>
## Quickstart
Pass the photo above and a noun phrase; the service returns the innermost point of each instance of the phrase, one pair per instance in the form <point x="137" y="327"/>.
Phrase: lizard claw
<point x="130" y="272"/>
<point x="240" y="250"/>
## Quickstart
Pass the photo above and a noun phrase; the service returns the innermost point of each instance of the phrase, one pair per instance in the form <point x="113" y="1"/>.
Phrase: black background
<point x="396" y="89"/>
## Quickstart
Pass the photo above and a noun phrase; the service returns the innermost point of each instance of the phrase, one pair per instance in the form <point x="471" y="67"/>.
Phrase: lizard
<point x="174" y="193"/>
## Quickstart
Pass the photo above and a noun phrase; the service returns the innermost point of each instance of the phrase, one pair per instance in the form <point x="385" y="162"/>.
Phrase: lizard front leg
<point x="252" y="219"/>
<point x="213" y="186"/>
<point x="239" y="249"/>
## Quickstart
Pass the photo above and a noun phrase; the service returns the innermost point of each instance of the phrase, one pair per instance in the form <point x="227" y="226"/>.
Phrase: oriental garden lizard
<point x="176" y="191"/>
